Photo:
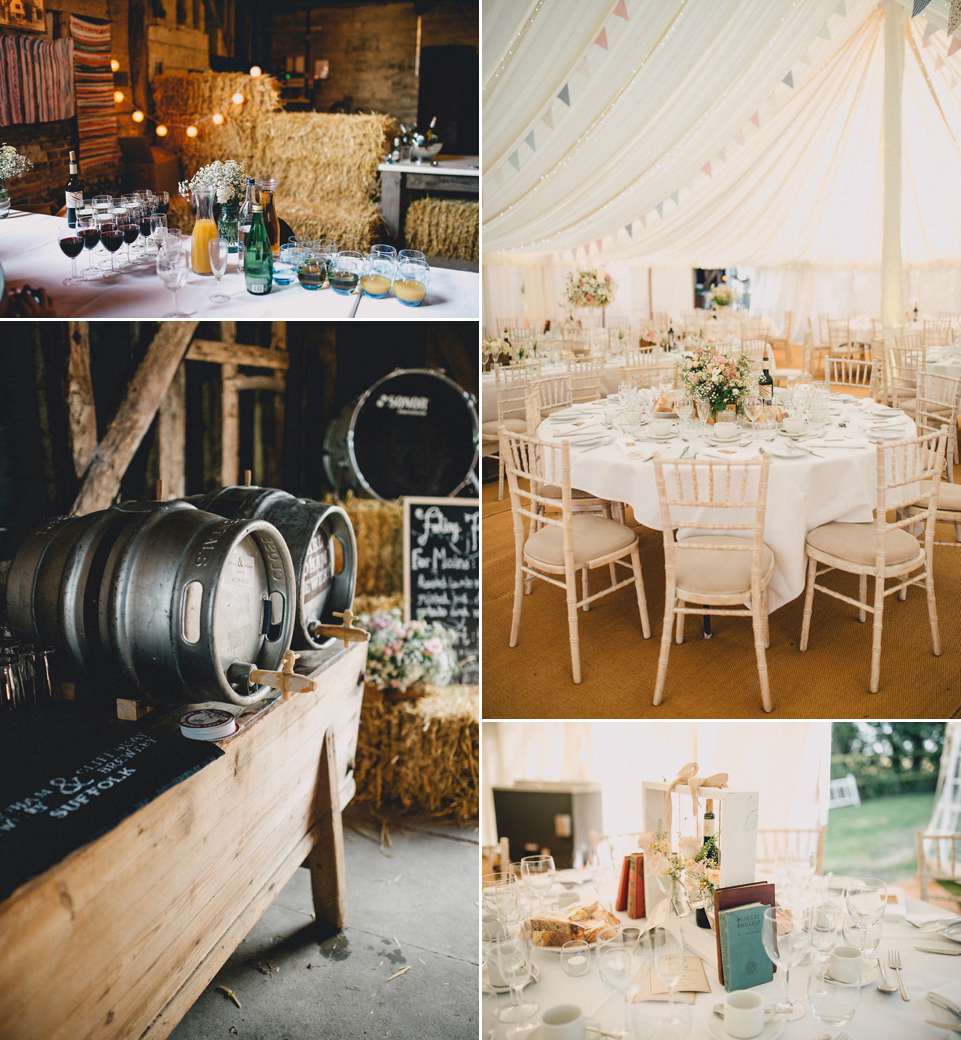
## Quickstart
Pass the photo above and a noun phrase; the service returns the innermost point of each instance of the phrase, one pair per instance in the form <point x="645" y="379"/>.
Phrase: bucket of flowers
<point x="403" y="657"/>
<point x="719" y="379"/>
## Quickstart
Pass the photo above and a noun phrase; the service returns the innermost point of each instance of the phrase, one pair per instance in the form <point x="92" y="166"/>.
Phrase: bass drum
<point x="414" y="432"/>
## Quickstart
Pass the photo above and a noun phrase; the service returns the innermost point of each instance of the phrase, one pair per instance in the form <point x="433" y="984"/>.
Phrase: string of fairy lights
<point x="219" y="118"/>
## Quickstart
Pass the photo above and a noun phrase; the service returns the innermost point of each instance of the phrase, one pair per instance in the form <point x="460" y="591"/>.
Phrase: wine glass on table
<point x="162" y="202"/>
<point x="666" y="947"/>
<point x="618" y="960"/>
<point x="832" y="1003"/>
<point x="90" y="231"/>
<point x="538" y="873"/>
<point x="499" y="895"/>
<point x="111" y="235"/>
<point x="512" y="960"/>
<point x="173" y="273"/>
<point x="218" y="250"/>
<point x="131" y="232"/>
<point x="786" y="935"/>
<point x="866" y="900"/>
<point x="703" y="406"/>
<point x="71" y="244"/>
<point x="753" y="406"/>
<point x="158" y="228"/>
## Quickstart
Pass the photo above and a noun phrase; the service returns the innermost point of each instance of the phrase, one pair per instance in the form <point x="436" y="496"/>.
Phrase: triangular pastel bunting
<point x="739" y="137"/>
<point x="722" y="155"/>
<point x="674" y="195"/>
<point x="841" y="9"/>
<point x="629" y="228"/>
<point x="515" y="160"/>
<point x="565" y="95"/>
<point x="601" y="39"/>
<point x="599" y="246"/>
<point x="756" y="120"/>
<point x="938" y="62"/>
<point x="660" y="209"/>
<point x="789" y="79"/>
<point x="929" y="30"/>
<point x="584" y="67"/>
<point x="954" y="18"/>
<point x="548" y="119"/>
<point x="643" y="222"/>
<point x="529" y="140"/>
<point x="824" y="32"/>
<point x="621" y="10"/>
<point x="804" y="58"/>
<point x="919" y="6"/>
<point x="955" y="46"/>
<point x="707" y="168"/>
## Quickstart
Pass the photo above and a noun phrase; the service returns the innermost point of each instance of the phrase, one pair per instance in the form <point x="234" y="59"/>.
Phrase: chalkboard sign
<point x="442" y="570"/>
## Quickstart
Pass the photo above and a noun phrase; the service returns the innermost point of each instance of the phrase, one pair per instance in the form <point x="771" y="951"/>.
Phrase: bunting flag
<point x="565" y="95"/>
<point x="824" y="32"/>
<point x="789" y="80"/>
<point x="841" y="9"/>
<point x="929" y="30"/>
<point x="621" y="10"/>
<point x="529" y="141"/>
<point x="629" y="228"/>
<point x="599" y="246"/>
<point x="674" y="197"/>
<point x="739" y="137"/>
<point x="660" y="209"/>
<point x="722" y="155"/>
<point x="548" y="118"/>
<point x="515" y="161"/>
<point x="919" y="6"/>
<point x="955" y="46"/>
<point x="954" y="18"/>
<point x="707" y="168"/>
<point x="601" y="39"/>
<point x="584" y="67"/>
<point x="756" y="120"/>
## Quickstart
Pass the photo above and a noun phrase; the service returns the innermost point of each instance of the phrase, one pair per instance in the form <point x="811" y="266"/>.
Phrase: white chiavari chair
<point x="851" y="374"/>
<point x="586" y="375"/>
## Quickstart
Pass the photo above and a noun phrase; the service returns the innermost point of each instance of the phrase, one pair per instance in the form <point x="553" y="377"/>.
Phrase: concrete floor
<point x="414" y="903"/>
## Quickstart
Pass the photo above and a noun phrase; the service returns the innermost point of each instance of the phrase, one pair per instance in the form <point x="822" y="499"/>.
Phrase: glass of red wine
<point x="90" y="232"/>
<point x="71" y="243"/>
<point x="131" y="232"/>
<point x="111" y="234"/>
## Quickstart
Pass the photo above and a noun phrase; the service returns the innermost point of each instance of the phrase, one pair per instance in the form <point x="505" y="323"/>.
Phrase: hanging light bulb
<point x="238" y="98"/>
<point x="191" y="131"/>
<point x="161" y="130"/>
<point x="217" y="119"/>
<point x="137" y="116"/>
<point x="118" y="96"/>
<point x="255" y="71"/>
<point x="114" y="65"/>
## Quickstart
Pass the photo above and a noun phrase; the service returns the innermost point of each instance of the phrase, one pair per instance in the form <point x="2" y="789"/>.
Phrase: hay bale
<point x="421" y="755"/>
<point x="368" y="604"/>
<point x="379" y="529"/>
<point x="443" y="227"/>
<point x="351" y="227"/>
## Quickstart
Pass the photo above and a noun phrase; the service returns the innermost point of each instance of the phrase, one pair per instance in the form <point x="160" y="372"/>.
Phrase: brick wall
<point x="371" y="49"/>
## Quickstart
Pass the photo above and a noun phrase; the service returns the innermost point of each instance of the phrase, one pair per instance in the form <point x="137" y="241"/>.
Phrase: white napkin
<point x="920" y="920"/>
<point x="949" y="991"/>
<point x="837" y="442"/>
<point x="728" y="454"/>
<point x="582" y="426"/>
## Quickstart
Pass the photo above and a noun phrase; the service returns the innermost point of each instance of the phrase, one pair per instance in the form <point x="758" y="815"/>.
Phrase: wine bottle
<point x="258" y="258"/>
<point x="670" y="335"/>
<point x="915" y="312"/>
<point x="431" y="136"/>
<point x="765" y="385"/>
<point x="74" y="192"/>
<point x="246" y="211"/>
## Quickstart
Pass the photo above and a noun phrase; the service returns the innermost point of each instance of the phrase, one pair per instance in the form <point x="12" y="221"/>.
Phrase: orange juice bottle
<point x="204" y="230"/>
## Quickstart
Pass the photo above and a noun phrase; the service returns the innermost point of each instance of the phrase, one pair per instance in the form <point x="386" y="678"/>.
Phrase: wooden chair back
<point x="852" y="373"/>
<point x="909" y="475"/>
<point x="646" y="355"/>
<point x="905" y="358"/>
<point x="585" y="375"/>
<point x="512" y="385"/>
<point x="936" y="406"/>
<point x="754" y="348"/>
<point x="647" y="376"/>
<point x="799" y="843"/>
<point x="939" y="858"/>
<point x="555" y="392"/>
<point x="532" y="466"/>
<point x="937" y="333"/>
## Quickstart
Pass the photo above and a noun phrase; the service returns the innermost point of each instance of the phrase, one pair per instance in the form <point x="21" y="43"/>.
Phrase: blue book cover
<point x="745" y="960"/>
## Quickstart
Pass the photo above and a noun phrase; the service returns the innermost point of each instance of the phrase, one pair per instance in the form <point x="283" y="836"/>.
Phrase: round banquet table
<point x="803" y="493"/>
<point x="944" y="361"/>
<point x="878" y="1016"/>
<point x="30" y="256"/>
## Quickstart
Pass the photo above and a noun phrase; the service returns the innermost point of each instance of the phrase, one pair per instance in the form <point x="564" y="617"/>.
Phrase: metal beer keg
<point x="414" y="432"/>
<point x="175" y="603"/>
<point x="313" y="533"/>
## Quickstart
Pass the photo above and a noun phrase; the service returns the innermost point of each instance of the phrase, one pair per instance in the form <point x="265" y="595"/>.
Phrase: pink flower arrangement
<point x="587" y="288"/>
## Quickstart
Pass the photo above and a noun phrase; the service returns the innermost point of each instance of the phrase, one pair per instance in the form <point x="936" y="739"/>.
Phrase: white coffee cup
<point x="795" y="427"/>
<point x="661" y="427"/>
<point x="726" y="431"/>
<point x="846" y="963"/>
<point x="563" y="1022"/>
<point x="745" y="1014"/>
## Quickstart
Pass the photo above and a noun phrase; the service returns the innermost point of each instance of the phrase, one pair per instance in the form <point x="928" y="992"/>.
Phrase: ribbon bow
<point x="688" y="775"/>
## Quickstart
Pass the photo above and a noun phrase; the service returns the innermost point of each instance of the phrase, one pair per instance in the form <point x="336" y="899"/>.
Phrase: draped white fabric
<point x="787" y="762"/>
<point x="656" y="160"/>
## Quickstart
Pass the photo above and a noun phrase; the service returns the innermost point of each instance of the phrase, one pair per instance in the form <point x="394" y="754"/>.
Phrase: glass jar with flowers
<point x="702" y="877"/>
<point x="722" y="297"/>
<point x="722" y="380"/>
<point x="12" y="164"/>
<point x="227" y="180"/>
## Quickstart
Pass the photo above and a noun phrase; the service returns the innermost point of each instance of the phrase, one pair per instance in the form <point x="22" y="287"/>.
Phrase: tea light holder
<point x="576" y="957"/>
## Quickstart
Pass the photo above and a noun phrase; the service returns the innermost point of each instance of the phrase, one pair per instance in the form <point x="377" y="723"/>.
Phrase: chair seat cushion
<point x="514" y="425"/>
<point x="857" y="543"/>
<point x="554" y="491"/>
<point x="594" y="537"/>
<point x="717" y="571"/>
<point x="949" y="496"/>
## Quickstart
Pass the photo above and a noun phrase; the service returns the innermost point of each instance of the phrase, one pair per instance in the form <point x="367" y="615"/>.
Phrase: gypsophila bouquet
<point x="722" y="295"/>
<point x="12" y="163"/>
<point x="495" y="349"/>
<point x="721" y="379"/>
<point x="589" y="289"/>
<point x="402" y="653"/>
<point x="227" y="178"/>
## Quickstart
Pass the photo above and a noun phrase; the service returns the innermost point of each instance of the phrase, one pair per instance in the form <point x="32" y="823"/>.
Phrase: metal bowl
<point x="425" y="152"/>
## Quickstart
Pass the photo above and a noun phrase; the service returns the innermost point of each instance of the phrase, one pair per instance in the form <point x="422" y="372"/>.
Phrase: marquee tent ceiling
<point x="703" y="134"/>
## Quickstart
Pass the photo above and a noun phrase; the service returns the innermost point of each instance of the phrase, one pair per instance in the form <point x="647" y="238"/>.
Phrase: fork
<point x="894" y="962"/>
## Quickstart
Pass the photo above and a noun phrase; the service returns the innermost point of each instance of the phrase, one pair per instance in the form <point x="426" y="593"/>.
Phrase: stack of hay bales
<point x="325" y="165"/>
<point x="443" y="227"/>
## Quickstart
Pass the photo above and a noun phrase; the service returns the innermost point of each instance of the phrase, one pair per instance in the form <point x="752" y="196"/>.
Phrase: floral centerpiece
<point x="503" y="352"/>
<point x="228" y="179"/>
<point x="723" y="380"/>
<point x="703" y="875"/>
<point x="405" y="654"/>
<point x="587" y="288"/>
<point x="12" y="164"/>
<point x="722" y="295"/>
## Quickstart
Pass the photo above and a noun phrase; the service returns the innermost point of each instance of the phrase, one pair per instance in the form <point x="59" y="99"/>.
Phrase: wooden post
<point x="326" y="859"/>
<point x="172" y="435"/>
<point x="81" y="412"/>
<point x="134" y="416"/>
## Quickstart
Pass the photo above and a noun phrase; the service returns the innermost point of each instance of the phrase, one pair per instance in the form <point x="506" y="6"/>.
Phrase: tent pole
<point x="892" y="307"/>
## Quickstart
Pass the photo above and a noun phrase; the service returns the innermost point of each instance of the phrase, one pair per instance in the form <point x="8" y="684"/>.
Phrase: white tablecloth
<point x="803" y="493"/>
<point x="945" y="362"/>
<point x="879" y="1016"/>
<point x="30" y="255"/>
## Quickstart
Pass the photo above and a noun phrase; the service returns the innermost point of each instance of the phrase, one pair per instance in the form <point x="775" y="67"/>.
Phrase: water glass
<point x="832" y="1003"/>
<point x="866" y="900"/>
<point x="377" y="275"/>
<point x="499" y="894"/>
<point x="411" y="277"/>
<point x="312" y="272"/>
<point x="538" y="873"/>
<point x="618" y="961"/>
<point x="344" y="271"/>
<point x="786" y="935"/>
<point x="385" y="251"/>
<point x="512" y="960"/>
<point x="218" y="250"/>
<point x="173" y="273"/>
<point x="666" y="947"/>
<point x="865" y="939"/>
<point x="411" y="254"/>
<point x="158" y="228"/>
<point x="825" y="920"/>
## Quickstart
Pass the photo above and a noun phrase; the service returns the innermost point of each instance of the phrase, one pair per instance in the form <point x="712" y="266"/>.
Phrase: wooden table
<point x="453" y="175"/>
<point x="120" y="938"/>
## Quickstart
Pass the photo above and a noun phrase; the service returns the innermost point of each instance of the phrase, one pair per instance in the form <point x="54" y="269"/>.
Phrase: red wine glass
<point x="90" y="232"/>
<point x="111" y="235"/>
<point x="71" y="243"/>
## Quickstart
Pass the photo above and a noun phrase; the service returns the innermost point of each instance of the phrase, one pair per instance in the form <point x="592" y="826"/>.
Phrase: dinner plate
<point x="729" y="442"/>
<point x="886" y="434"/>
<point x="783" y="451"/>
<point x="793" y="436"/>
<point x="771" y="1030"/>
<point x="953" y="932"/>
<point x="651" y="436"/>
<point x="488" y="988"/>
<point x="590" y="440"/>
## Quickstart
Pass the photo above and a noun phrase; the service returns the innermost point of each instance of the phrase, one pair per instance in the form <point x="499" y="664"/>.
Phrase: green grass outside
<point x="877" y="837"/>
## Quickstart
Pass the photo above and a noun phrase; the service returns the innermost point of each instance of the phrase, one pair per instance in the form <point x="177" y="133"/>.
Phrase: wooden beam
<point x="229" y="427"/>
<point x="326" y="858"/>
<point x="275" y="384"/>
<point x="134" y="416"/>
<point x="237" y="354"/>
<point x="172" y="436"/>
<point x="278" y="335"/>
<point x="81" y="412"/>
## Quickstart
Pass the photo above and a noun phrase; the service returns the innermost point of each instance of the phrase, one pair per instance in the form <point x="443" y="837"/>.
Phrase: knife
<point x="943" y="1002"/>
<point x="939" y="949"/>
<point x="950" y="1026"/>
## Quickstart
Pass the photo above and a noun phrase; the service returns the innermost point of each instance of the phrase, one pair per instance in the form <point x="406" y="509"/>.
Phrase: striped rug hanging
<point x="36" y="80"/>
<point x="96" y="110"/>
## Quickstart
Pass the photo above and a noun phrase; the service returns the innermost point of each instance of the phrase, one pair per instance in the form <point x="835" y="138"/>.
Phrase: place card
<point x="693" y="981"/>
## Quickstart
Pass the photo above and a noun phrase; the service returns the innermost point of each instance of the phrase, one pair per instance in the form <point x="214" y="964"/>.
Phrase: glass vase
<point x="4" y="200"/>
<point x="227" y="228"/>
<point x="679" y="899"/>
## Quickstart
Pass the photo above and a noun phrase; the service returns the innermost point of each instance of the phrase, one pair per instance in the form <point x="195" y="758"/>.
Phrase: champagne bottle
<point x="246" y="211"/>
<point x="431" y="136"/>
<point x="670" y="335"/>
<point x="765" y="385"/>
<point x="258" y="259"/>
<point x="74" y="192"/>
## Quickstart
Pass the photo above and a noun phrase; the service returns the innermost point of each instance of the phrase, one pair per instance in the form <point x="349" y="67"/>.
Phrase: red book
<point x="637" y="886"/>
<point x="738" y="895"/>
<point x="621" y="904"/>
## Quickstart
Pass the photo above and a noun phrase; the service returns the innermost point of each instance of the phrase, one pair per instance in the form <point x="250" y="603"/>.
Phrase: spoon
<point x="884" y="986"/>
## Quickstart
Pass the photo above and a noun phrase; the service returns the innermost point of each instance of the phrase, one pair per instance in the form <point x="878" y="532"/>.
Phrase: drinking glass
<point x="512" y="958"/>
<point x="411" y="254"/>
<point x="786" y="935"/>
<point x="388" y="252"/>
<point x="576" y="957"/>
<point x="832" y="1003"/>
<point x="666" y="947"/>
<point x="102" y="205"/>
<point x="171" y="241"/>
<point x="499" y="895"/>
<point x="866" y="941"/>
<point x="703" y="407"/>
<point x="158" y="228"/>
<point x="538" y="873"/>
<point x="411" y="277"/>
<point x="218" y="250"/>
<point x="285" y="268"/>
<point x="173" y="273"/>
<point x="753" y="406"/>
<point x="161" y="202"/>
<point x="825" y="920"/>
<point x="111" y="235"/>
<point x="131" y="232"/>
<point x="344" y="270"/>
<point x="866" y="900"/>
<point x="312" y="271"/>
<point x="377" y="275"/>
<point x="615" y="961"/>
<point x="71" y="244"/>
<point x="90" y="231"/>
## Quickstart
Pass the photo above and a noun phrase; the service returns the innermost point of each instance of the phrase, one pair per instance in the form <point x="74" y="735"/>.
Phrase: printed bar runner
<point x="96" y="115"/>
<point x="36" y="80"/>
